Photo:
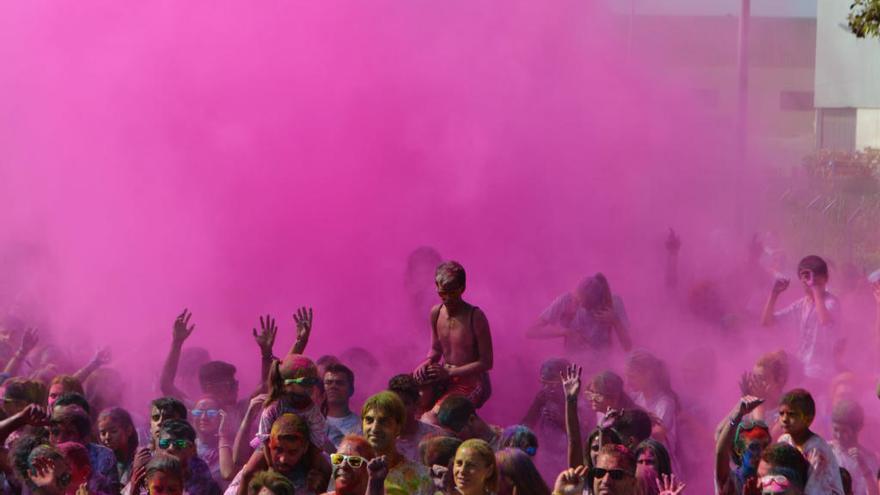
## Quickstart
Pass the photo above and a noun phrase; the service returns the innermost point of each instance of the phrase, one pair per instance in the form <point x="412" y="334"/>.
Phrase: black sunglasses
<point x="616" y="474"/>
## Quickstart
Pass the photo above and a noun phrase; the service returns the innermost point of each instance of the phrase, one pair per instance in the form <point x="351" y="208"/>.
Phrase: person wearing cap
<point x="847" y="420"/>
<point x="286" y="450"/>
<point x="587" y="318"/>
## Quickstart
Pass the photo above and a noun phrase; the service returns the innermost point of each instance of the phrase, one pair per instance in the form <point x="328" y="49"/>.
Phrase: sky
<point x="781" y="8"/>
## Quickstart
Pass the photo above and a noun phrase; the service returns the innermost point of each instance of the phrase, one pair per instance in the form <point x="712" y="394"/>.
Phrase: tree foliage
<point x="864" y="18"/>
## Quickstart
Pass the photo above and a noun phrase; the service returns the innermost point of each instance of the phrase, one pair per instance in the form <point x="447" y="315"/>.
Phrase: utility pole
<point x="742" y="109"/>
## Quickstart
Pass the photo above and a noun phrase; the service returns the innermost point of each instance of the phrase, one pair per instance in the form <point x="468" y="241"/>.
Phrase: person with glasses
<point x="613" y="474"/>
<point x="291" y="381"/>
<point x="214" y="440"/>
<point x="178" y="438"/>
<point x="383" y="416"/>
<point x="350" y="474"/>
<point x="743" y="441"/>
<point x="781" y="481"/>
<point x="288" y="451"/>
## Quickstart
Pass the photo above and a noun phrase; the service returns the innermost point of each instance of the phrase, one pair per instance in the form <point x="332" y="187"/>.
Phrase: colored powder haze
<point x="243" y="159"/>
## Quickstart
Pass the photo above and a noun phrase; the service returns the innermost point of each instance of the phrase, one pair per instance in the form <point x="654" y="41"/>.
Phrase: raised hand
<point x="378" y="468"/>
<point x="748" y="404"/>
<point x="34" y="415"/>
<point x="571" y="481"/>
<point x="751" y="384"/>
<point x="42" y="472"/>
<point x="673" y="242"/>
<point x="29" y="340"/>
<point x="607" y="316"/>
<point x="256" y="404"/>
<point x="780" y="285"/>
<point x="571" y="381"/>
<point x="102" y="357"/>
<point x="266" y="337"/>
<point x="303" y="319"/>
<point x="670" y="486"/>
<point x="182" y="328"/>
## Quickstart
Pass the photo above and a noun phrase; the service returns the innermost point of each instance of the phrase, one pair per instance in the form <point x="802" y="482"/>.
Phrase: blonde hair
<point x="484" y="452"/>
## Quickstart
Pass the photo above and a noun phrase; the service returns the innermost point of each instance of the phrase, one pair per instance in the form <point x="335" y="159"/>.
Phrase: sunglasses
<point x="353" y="461"/>
<point x="748" y="424"/>
<point x="180" y="443"/>
<point x="306" y="381"/>
<point x="210" y="413"/>
<point x="616" y="474"/>
<point x="774" y="484"/>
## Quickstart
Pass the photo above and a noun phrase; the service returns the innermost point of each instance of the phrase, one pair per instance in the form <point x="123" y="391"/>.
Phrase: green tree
<point x="864" y="18"/>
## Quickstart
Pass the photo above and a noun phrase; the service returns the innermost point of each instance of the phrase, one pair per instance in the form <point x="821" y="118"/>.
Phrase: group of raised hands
<point x="265" y="337"/>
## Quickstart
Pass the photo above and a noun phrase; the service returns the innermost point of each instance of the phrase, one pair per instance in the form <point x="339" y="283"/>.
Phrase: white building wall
<point x="868" y="128"/>
<point x="847" y="68"/>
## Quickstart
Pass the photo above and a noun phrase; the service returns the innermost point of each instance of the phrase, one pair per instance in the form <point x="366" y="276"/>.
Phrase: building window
<point x="796" y="100"/>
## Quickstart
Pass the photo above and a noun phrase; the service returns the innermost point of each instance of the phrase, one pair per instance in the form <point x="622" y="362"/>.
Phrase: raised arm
<point x="571" y="383"/>
<point x="265" y="341"/>
<point x="303" y="319"/>
<point x="28" y="341"/>
<point x="241" y="445"/>
<point x="484" y="348"/>
<point x="102" y="357"/>
<point x="180" y="332"/>
<point x="724" y="443"/>
<point x="779" y="286"/>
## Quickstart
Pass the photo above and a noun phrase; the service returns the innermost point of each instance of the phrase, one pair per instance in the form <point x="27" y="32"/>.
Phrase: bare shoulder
<point x="480" y="318"/>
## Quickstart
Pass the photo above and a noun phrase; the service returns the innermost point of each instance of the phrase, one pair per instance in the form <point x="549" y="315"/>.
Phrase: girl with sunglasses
<point x="291" y="382"/>
<point x="214" y="441"/>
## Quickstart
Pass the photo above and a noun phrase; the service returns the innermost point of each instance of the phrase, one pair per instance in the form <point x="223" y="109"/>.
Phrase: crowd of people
<point x="423" y="432"/>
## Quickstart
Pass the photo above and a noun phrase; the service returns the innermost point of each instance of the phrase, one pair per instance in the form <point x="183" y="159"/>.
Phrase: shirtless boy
<point x="461" y="345"/>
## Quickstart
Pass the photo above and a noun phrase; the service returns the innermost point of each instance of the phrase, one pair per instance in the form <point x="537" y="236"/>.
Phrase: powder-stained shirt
<point x="338" y="428"/>
<point x="815" y="341"/>
<point x="586" y="332"/>
<point x="851" y="465"/>
<point x="103" y="461"/>
<point x="824" y="473"/>
<point x="408" y="478"/>
<point x="312" y="415"/>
